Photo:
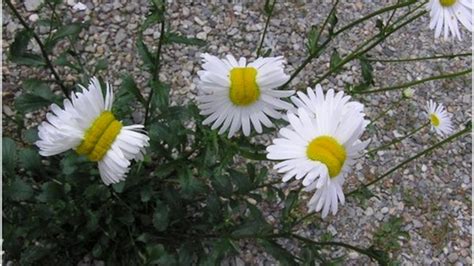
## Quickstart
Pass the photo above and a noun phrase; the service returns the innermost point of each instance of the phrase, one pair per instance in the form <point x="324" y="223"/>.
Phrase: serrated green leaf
<point x="31" y="135"/>
<point x="51" y="192"/>
<point x="19" y="190"/>
<point x="367" y="71"/>
<point x="277" y="251"/>
<point x="161" y="216"/>
<point x="173" y="37"/>
<point x="161" y="95"/>
<point x="335" y="60"/>
<point x="147" y="58"/>
<point x="28" y="102"/>
<point x="9" y="156"/>
<point x="128" y="84"/>
<point x="71" y="30"/>
<point x="30" y="159"/>
<point x="290" y="203"/>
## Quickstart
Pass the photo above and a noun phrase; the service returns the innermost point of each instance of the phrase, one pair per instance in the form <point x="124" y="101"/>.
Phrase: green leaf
<point x="243" y="182"/>
<point x="367" y="71"/>
<point x="18" y="50"/>
<point x="157" y="255"/>
<point x="161" y="216"/>
<point x="101" y="64"/>
<point x="161" y="95"/>
<point x="173" y="37"/>
<point x="145" y="55"/>
<point x="72" y="30"/>
<point x="19" y="190"/>
<point x="145" y="193"/>
<point x="278" y="252"/>
<point x="50" y="192"/>
<point x="20" y="44"/>
<point x="268" y="7"/>
<point x="63" y="60"/>
<point x="312" y="44"/>
<point x="31" y="85"/>
<point x="30" y="159"/>
<point x="128" y="84"/>
<point x="290" y="202"/>
<point x="31" y="135"/>
<point x="9" y="156"/>
<point x="335" y="60"/>
<point x="332" y="22"/>
<point x="222" y="185"/>
<point x="28" y="102"/>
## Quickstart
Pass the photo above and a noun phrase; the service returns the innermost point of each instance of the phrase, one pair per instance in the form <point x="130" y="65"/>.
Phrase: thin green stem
<point x="397" y="140"/>
<point x="418" y="155"/>
<point x="316" y="53"/>
<point x="71" y="42"/>
<point x="326" y="21"/>
<point x="333" y="243"/>
<point x="416" y="82"/>
<point x="393" y="14"/>
<point x="42" y="48"/>
<point x="393" y="105"/>
<point x="451" y="56"/>
<point x="155" y="74"/>
<point x="378" y="12"/>
<point x="267" y="22"/>
<point x="370" y="43"/>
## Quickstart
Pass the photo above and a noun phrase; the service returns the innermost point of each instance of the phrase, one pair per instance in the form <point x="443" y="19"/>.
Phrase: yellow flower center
<point x="327" y="150"/>
<point x="244" y="89"/>
<point x="447" y="3"/>
<point x="434" y="120"/>
<point x="100" y="136"/>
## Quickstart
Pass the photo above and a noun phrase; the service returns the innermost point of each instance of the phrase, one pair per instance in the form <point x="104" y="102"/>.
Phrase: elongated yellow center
<point x="100" y="136"/>
<point x="244" y="89"/>
<point x="328" y="151"/>
<point x="447" y="3"/>
<point x="434" y="120"/>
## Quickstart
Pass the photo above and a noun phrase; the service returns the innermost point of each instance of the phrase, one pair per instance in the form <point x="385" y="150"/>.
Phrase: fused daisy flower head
<point x="87" y="125"/>
<point x="320" y="145"/>
<point x="440" y="119"/>
<point x="238" y="95"/>
<point x="445" y="15"/>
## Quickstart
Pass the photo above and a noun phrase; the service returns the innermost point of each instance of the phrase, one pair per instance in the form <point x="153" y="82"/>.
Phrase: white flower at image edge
<point x="440" y="119"/>
<point x="320" y="145"/>
<point x="235" y="95"/>
<point x="87" y="125"/>
<point x="445" y="15"/>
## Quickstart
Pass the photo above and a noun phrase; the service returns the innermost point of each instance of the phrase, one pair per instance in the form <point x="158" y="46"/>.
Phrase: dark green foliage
<point x="387" y="237"/>
<point x="192" y="199"/>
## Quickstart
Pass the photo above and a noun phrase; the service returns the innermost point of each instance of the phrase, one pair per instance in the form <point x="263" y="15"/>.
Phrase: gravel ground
<point x="432" y="194"/>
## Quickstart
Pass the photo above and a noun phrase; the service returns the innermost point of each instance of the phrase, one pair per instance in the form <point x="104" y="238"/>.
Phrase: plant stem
<point x="71" y="42"/>
<point x="378" y="12"/>
<point x="451" y="56"/>
<point x="418" y="155"/>
<point x="155" y="74"/>
<point x="42" y="48"/>
<point x="320" y="48"/>
<point x="416" y="82"/>
<point x="360" y="50"/>
<point x="397" y="140"/>
<point x="332" y="243"/>
<point x="267" y="22"/>
<point x="393" y="105"/>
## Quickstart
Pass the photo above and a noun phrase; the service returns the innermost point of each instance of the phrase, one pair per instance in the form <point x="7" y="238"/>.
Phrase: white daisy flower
<point x="446" y="14"/>
<point x="320" y="145"/>
<point x="439" y="118"/>
<point x="87" y="125"/>
<point x="234" y="94"/>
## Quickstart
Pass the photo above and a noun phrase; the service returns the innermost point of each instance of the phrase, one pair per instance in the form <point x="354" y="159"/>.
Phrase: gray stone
<point x="32" y="5"/>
